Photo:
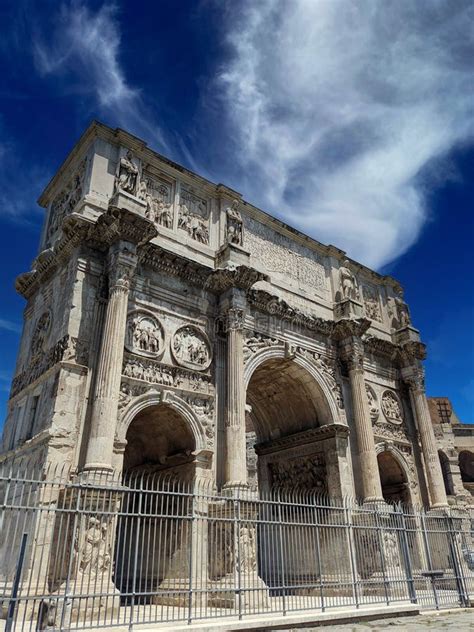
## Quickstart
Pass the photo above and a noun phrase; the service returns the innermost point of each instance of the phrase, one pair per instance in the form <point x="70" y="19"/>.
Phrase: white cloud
<point x="8" y="325"/>
<point x="336" y="107"/>
<point x="85" y="46"/>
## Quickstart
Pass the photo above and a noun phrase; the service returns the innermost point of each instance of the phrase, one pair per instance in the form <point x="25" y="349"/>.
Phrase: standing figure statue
<point x="348" y="282"/>
<point x="127" y="174"/>
<point x="234" y="224"/>
<point x="403" y="313"/>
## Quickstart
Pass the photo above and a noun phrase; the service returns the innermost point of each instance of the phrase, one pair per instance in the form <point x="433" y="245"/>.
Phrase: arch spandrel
<point x="155" y="397"/>
<point x="332" y="412"/>
<point x="408" y="469"/>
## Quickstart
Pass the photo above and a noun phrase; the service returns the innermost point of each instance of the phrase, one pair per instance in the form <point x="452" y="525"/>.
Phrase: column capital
<point x="414" y="376"/>
<point x="351" y="353"/>
<point x="233" y="276"/>
<point x="121" y="264"/>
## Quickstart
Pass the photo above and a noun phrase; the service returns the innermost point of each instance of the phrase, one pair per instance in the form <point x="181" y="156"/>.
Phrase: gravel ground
<point x="461" y="621"/>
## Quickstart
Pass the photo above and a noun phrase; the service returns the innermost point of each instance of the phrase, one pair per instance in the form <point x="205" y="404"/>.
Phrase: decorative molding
<point x="255" y="341"/>
<point x="327" y="368"/>
<point x="321" y="433"/>
<point x="269" y="304"/>
<point x="233" y="276"/>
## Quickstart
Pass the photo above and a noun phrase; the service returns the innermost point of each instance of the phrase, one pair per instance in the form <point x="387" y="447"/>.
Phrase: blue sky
<point x="352" y="120"/>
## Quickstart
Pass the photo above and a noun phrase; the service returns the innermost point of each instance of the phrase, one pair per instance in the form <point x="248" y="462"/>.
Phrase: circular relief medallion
<point x="373" y="403"/>
<point x="391" y="407"/>
<point x="145" y="335"/>
<point x="190" y="348"/>
<point x="40" y="335"/>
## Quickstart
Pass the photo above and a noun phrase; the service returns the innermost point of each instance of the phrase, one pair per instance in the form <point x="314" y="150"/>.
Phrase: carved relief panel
<point x="190" y="347"/>
<point x="40" y="334"/>
<point x="145" y="334"/>
<point x="193" y="216"/>
<point x="303" y="472"/>
<point x="370" y="297"/>
<point x="158" y="195"/>
<point x="391" y="407"/>
<point x="65" y="202"/>
<point x="373" y="403"/>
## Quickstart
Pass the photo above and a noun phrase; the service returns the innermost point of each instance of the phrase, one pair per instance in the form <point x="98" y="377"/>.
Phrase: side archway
<point x="394" y="474"/>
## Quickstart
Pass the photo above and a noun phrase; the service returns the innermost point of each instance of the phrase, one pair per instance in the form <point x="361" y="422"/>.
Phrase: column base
<point x="226" y="593"/>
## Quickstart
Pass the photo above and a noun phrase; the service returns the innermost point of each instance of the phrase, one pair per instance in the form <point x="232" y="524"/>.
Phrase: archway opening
<point x="393" y="479"/>
<point x="466" y="468"/>
<point x="285" y="405"/>
<point x="288" y="451"/>
<point x="446" y="471"/>
<point x="153" y="537"/>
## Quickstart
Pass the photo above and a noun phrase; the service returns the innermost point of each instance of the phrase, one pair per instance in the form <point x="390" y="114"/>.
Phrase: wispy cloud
<point x="336" y="108"/>
<point x="84" y="46"/>
<point x="8" y="325"/>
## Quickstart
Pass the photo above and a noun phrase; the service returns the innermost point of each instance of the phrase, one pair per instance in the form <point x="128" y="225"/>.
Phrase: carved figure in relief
<point x="234" y="224"/>
<point x="145" y="335"/>
<point x="391" y="407"/>
<point x="194" y="222"/>
<point x="127" y="174"/>
<point x="67" y="199"/>
<point x="373" y="408"/>
<point x="392" y="556"/>
<point x="95" y="554"/>
<point x="189" y="347"/>
<point x="248" y="550"/>
<point x="40" y="334"/>
<point x="348" y="282"/>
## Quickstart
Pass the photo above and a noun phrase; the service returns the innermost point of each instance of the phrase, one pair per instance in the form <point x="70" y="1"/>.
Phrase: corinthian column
<point x="353" y="355"/>
<point x="414" y="376"/>
<point x="122" y="260"/>
<point x="236" y="466"/>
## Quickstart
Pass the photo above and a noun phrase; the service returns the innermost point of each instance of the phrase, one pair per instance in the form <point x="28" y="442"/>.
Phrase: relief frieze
<point x="158" y="196"/>
<point x="307" y="473"/>
<point x="154" y="372"/>
<point x="281" y="255"/>
<point x="371" y="303"/>
<point x="391" y="407"/>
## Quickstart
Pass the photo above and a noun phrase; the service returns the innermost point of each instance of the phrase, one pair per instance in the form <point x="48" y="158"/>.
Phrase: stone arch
<point x="386" y="448"/>
<point x="155" y="397"/>
<point x="330" y="411"/>
<point x="466" y="467"/>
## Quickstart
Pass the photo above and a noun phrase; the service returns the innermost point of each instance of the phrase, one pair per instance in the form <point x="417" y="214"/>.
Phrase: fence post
<point x="140" y="492"/>
<point x="350" y="535"/>
<point x="16" y="584"/>
<point x="71" y="559"/>
<point x="237" y="541"/>
<point x="457" y="565"/>
<point x="406" y="556"/>
<point x="190" y="547"/>
<point x="382" y="553"/>
<point x="428" y="557"/>
<point x="282" y="557"/>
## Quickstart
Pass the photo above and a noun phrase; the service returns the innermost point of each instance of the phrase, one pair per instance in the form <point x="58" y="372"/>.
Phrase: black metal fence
<point x="90" y="551"/>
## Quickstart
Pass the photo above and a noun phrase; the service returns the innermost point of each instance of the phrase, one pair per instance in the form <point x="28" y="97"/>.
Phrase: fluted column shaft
<point x="121" y="265"/>
<point x="415" y="379"/>
<point x="236" y="466"/>
<point x="370" y="477"/>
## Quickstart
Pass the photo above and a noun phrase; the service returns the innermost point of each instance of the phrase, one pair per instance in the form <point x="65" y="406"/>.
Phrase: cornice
<point x="350" y="327"/>
<point x="160" y="260"/>
<point x="275" y="306"/>
<point x="241" y="277"/>
<point x="306" y="437"/>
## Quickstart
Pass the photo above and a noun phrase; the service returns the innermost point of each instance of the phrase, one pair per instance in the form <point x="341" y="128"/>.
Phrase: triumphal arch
<point x="172" y="326"/>
<point x="176" y="338"/>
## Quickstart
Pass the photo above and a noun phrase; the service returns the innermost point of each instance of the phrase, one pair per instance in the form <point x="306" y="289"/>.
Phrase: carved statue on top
<point x="126" y="177"/>
<point x="234" y="224"/>
<point x="403" y="313"/>
<point x="348" y="283"/>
